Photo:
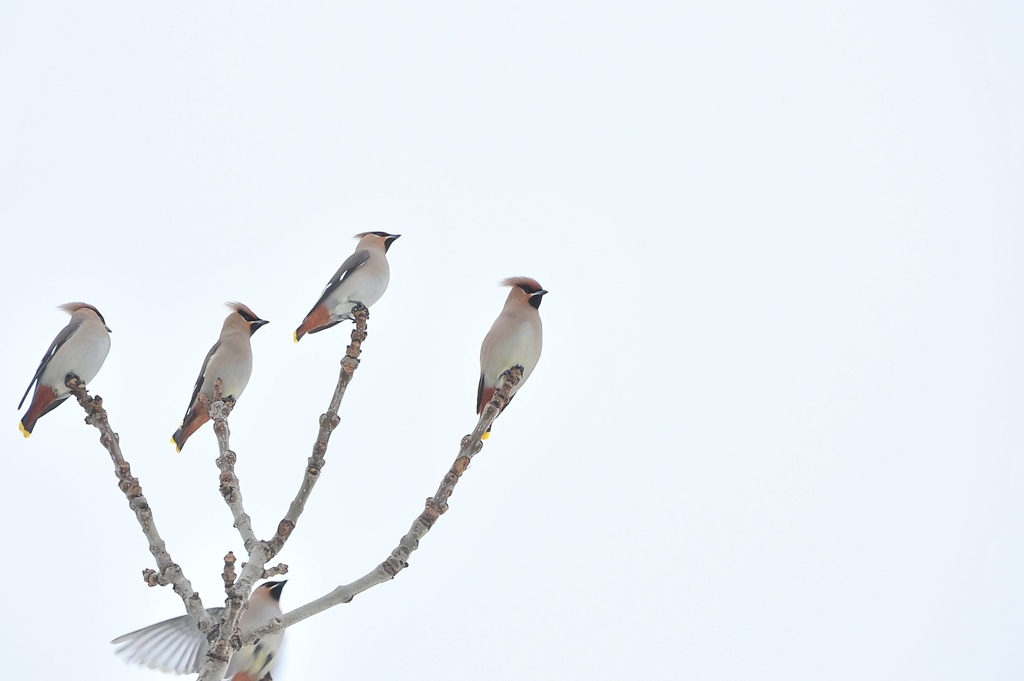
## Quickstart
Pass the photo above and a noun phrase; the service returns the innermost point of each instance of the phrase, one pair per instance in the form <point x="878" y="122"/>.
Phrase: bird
<point x="179" y="647"/>
<point x="80" y="349"/>
<point x="515" y="338"/>
<point x="362" y="278"/>
<point x="230" y="360"/>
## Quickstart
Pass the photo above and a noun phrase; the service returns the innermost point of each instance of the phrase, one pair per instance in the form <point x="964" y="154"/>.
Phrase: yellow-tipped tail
<point x="21" y="427"/>
<point x="295" y="336"/>
<point x="176" y="447"/>
<point x="486" y="435"/>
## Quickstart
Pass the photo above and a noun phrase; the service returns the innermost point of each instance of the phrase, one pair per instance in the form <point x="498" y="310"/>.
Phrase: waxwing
<point x="515" y="338"/>
<point x="79" y="349"/>
<point x="362" y="278"/>
<point x="230" y="360"/>
<point x="177" y="646"/>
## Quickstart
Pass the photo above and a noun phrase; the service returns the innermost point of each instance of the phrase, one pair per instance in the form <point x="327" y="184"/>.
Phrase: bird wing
<point x="199" y="381"/>
<point x="175" y="645"/>
<point x="61" y="338"/>
<point x="351" y="264"/>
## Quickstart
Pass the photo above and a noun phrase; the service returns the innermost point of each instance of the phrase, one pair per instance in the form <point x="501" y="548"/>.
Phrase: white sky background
<point x="775" y="429"/>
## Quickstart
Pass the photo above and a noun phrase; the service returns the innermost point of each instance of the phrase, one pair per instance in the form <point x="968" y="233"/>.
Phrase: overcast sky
<point x="774" y="433"/>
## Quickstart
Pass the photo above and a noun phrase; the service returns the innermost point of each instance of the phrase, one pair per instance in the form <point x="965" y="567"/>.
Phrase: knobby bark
<point x="260" y="553"/>
<point x="434" y="508"/>
<point x="223" y="633"/>
<point x="167" y="572"/>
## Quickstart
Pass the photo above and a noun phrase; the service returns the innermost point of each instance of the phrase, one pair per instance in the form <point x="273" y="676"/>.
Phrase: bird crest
<point x="526" y="283"/>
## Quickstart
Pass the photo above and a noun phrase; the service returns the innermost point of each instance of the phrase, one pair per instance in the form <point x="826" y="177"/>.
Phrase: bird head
<point x="526" y="290"/>
<point x="249" y="317"/>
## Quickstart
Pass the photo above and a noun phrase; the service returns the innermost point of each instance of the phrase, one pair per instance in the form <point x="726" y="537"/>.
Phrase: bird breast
<point x="366" y="285"/>
<point x="82" y="354"/>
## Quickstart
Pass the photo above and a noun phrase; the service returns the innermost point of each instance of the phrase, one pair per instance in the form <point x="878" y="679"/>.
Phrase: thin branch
<point x="328" y="422"/>
<point x="262" y="552"/>
<point x="279" y="569"/>
<point x="436" y="506"/>
<point x="230" y="488"/>
<point x="168" y="571"/>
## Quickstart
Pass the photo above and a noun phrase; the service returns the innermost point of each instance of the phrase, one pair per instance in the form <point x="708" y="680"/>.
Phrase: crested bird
<point x="230" y="360"/>
<point x="80" y="349"/>
<point x="362" y="278"/>
<point x="515" y="338"/>
<point x="178" y="646"/>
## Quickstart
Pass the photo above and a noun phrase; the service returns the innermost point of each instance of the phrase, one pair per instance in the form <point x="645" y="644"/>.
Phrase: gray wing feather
<point x="351" y="264"/>
<point x="175" y="645"/>
<point x="61" y="338"/>
<point x="199" y="381"/>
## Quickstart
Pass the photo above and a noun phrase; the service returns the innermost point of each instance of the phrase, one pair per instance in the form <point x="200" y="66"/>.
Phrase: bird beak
<point x="258" y="323"/>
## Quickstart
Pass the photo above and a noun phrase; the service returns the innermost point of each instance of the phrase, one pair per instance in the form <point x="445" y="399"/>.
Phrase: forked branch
<point x="435" y="507"/>
<point x="263" y="552"/>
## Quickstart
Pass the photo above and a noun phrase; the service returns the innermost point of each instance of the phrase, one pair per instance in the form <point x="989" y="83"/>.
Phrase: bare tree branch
<point x="223" y="635"/>
<point x="261" y="552"/>
<point x="168" y="571"/>
<point x="328" y="422"/>
<point x="230" y="488"/>
<point x="279" y="569"/>
<point x="435" y="506"/>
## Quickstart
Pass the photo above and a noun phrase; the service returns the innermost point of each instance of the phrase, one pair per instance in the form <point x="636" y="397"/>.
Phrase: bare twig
<point x="230" y="488"/>
<point x="279" y="569"/>
<point x="262" y="552"/>
<point x="229" y="574"/>
<point x="328" y="422"/>
<point x="168" y="571"/>
<point x="435" y="507"/>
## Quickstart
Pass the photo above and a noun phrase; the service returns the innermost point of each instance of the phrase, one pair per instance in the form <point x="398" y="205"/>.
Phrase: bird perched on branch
<point x="362" y="278"/>
<point x="80" y="349"/>
<point x="515" y="338"/>
<point x="230" y="360"/>
<point x="177" y="646"/>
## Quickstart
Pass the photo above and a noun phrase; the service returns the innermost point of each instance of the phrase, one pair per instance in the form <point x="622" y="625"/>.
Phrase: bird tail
<point x="484" y="395"/>
<point x="318" y="317"/>
<point x="197" y="416"/>
<point x="44" y="401"/>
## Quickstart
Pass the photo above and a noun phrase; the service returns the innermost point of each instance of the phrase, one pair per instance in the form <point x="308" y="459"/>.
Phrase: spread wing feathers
<point x="175" y="645"/>
<point x="199" y="381"/>
<point x="61" y="338"/>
